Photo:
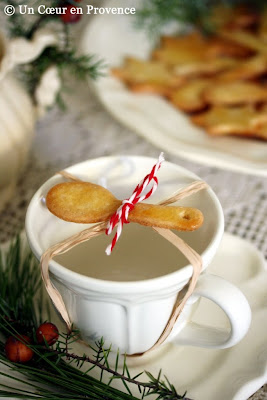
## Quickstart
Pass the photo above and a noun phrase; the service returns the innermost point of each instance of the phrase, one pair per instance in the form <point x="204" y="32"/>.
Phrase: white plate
<point x="112" y="37"/>
<point x="235" y="373"/>
<point x="231" y="374"/>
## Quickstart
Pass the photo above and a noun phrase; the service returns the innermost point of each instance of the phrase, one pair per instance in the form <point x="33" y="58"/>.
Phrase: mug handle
<point x="234" y="304"/>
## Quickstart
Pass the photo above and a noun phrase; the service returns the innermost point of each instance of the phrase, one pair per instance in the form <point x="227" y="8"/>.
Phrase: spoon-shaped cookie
<point x="85" y="202"/>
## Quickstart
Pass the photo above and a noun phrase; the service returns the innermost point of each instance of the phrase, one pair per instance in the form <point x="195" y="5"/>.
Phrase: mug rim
<point x="78" y="280"/>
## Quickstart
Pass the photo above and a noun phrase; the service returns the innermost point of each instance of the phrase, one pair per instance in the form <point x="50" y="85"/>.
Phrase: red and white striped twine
<point x="120" y="217"/>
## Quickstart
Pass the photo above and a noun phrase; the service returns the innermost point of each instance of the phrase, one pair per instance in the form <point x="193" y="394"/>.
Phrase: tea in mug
<point x="141" y="253"/>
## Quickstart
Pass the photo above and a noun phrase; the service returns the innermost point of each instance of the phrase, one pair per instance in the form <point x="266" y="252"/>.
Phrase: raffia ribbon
<point x="193" y="257"/>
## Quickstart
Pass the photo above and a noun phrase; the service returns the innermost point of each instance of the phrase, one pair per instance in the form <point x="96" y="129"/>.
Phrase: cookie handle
<point x="234" y="304"/>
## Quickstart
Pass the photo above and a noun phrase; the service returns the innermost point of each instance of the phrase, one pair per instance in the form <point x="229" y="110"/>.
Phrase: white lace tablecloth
<point x="86" y="130"/>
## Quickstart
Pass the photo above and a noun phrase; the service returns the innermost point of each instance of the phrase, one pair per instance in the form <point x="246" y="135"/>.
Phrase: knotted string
<point x="120" y="217"/>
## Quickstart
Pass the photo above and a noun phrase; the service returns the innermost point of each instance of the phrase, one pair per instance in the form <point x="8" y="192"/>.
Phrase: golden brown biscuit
<point x="243" y="120"/>
<point x="247" y="39"/>
<point x="189" y="97"/>
<point x="260" y="131"/>
<point x="239" y="17"/>
<point x="204" y="69"/>
<point x="235" y="93"/>
<point x="168" y="217"/>
<point x="81" y="202"/>
<point x="195" y="47"/>
<point x="85" y="202"/>
<point x="216" y="71"/>
<point x="147" y="76"/>
<point x="181" y="50"/>
<point x="252" y="68"/>
<point x="221" y="47"/>
<point x="263" y="26"/>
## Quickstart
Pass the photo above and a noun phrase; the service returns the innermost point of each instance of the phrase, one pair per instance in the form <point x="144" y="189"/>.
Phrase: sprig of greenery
<point x="154" y="14"/>
<point x="80" y="66"/>
<point x="64" y="55"/>
<point x="20" y="281"/>
<point x="50" y="374"/>
<point x="163" y="388"/>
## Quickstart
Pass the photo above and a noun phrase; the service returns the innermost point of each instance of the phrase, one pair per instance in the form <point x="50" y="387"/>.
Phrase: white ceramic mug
<point x="130" y="303"/>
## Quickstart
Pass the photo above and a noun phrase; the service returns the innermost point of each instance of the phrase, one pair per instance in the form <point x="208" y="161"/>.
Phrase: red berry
<point x="16" y="350"/>
<point x="68" y="17"/>
<point x="47" y="332"/>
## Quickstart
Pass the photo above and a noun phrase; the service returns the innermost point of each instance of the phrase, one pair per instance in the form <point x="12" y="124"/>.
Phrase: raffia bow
<point x="193" y="257"/>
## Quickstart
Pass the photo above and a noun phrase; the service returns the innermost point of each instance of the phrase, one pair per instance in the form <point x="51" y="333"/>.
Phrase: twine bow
<point x="120" y="217"/>
<point x="100" y="228"/>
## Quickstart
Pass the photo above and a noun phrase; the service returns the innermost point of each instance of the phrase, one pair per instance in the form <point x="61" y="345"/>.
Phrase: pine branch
<point x="20" y="281"/>
<point x="154" y="14"/>
<point x="49" y="374"/>
<point x="63" y="55"/>
<point x="155" y="385"/>
<point x="80" y="67"/>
